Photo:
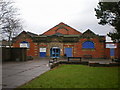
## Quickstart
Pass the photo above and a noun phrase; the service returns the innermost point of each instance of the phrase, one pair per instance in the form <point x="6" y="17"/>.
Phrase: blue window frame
<point x="55" y="52"/>
<point x="88" y="45"/>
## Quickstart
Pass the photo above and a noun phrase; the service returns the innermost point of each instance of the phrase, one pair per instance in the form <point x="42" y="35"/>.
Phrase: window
<point x="24" y="44"/>
<point x="88" y="45"/>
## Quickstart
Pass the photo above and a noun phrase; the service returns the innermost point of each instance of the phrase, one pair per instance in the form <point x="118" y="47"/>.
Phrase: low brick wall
<point x="104" y="65"/>
<point x="95" y="64"/>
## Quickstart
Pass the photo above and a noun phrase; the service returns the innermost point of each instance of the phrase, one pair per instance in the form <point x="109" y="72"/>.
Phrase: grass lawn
<point x="77" y="76"/>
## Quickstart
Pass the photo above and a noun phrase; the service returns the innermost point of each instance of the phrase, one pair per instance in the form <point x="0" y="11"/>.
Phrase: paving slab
<point x="18" y="73"/>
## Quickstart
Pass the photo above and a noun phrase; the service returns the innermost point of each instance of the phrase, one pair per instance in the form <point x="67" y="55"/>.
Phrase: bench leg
<point x="68" y="60"/>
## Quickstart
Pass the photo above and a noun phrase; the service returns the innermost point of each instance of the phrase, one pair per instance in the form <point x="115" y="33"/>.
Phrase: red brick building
<point x="62" y="40"/>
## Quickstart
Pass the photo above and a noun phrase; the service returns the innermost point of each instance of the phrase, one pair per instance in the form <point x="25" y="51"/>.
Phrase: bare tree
<point x="10" y="24"/>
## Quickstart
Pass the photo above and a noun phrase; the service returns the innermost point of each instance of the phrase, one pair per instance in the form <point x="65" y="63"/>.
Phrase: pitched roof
<point x="32" y="34"/>
<point x="58" y="34"/>
<point x="63" y="29"/>
<point x="28" y="33"/>
<point x="89" y="32"/>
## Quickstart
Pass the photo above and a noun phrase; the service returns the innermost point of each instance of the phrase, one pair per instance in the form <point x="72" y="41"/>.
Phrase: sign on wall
<point x="24" y="45"/>
<point x="42" y="49"/>
<point x="111" y="46"/>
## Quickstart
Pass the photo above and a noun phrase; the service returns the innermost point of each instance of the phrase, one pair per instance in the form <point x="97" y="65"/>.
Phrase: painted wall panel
<point x="42" y="54"/>
<point x="68" y="52"/>
<point x="112" y="52"/>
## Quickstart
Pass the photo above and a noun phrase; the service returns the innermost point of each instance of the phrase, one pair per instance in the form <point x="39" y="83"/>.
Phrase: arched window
<point x="88" y="45"/>
<point x="24" y="44"/>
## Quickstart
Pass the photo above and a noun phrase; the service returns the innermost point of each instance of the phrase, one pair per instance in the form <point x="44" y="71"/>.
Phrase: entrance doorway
<point x="42" y="52"/>
<point x="112" y="52"/>
<point x="55" y="52"/>
<point x="68" y="52"/>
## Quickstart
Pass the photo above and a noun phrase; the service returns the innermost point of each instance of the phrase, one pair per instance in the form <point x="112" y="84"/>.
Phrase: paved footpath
<point x="15" y="74"/>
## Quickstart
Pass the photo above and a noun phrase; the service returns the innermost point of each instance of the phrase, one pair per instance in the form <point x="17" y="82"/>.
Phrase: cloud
<point x="41" y="15"/>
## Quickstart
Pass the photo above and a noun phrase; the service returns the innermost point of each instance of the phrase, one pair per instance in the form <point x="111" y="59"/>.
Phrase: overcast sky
<point x="40" y="15"/>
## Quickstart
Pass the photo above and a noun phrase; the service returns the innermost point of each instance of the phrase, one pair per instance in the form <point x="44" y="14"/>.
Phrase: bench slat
<point x="74" y="58"/>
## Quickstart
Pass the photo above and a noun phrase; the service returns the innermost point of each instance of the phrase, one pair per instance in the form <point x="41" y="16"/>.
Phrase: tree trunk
<point x="9" y="39"/>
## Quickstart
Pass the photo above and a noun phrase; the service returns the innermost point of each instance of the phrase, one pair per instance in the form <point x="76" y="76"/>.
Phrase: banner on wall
<point x="111" y="46"/>
<point x="42" y="49"/>
<point x="24" y="45"/>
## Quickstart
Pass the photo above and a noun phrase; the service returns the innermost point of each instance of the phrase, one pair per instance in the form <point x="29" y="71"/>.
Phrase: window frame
<point x="92" y="47"/>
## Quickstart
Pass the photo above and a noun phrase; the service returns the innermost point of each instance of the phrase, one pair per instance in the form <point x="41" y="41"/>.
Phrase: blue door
<point x="42" y="54"/>
<point x="112" y="52"/>
<point x="68" y="52"/>
<point x="55" y="52"/>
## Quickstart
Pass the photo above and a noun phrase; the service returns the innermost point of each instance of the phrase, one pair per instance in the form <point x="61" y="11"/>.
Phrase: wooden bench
<point x="116" y="60"/>
<point x="74" y="58"/>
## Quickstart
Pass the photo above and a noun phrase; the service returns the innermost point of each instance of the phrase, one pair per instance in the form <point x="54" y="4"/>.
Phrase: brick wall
<point x="117" y="50"/>
<point x="33" y="50"/>
<point x="97" y="52"/>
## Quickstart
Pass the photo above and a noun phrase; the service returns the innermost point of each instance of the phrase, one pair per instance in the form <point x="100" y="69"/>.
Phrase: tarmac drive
<point x="15" y="74"/>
